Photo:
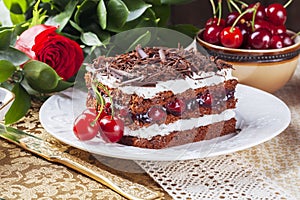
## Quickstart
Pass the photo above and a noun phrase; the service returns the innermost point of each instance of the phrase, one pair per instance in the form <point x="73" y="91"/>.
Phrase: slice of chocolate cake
<point x="166" y="96"/>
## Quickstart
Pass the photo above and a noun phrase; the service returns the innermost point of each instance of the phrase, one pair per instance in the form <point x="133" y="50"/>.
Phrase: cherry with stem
<point x="276" y="13"/>
<point x="214" y="27"/>
<point x="232" y="36"/>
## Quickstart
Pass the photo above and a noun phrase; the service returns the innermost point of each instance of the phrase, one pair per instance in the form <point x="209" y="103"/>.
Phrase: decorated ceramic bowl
<point x="6" y="99"/>
<point x="268" y="70"/>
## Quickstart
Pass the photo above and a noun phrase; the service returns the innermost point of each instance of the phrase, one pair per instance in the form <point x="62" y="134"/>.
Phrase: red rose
<point x="42" y="43"/>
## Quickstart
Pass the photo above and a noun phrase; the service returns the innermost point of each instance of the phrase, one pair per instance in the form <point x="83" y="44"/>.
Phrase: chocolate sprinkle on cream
<point x="146" y="66"/>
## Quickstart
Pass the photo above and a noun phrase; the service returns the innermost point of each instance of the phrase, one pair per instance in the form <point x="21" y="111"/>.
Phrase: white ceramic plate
<point x="6" y="99"/>
<point x="261" y="116"/>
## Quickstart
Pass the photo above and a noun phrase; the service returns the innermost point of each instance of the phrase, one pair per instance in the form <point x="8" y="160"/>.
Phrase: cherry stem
<point x="242" y="3"/>
<point x="235" y="6"/>
<point x="213" y="7"/>
<point x="295" y="35"/>
<point x="229" y="6"/>
<point x="220" y="11"/>
<point x="254" y="8"/>
<point x="99" y="98"/>
<point x="110" y="99"/>
<point x="287" y="3"/>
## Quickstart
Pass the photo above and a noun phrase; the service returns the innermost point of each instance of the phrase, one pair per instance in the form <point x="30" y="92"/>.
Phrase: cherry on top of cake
<point x="146" y="66"/>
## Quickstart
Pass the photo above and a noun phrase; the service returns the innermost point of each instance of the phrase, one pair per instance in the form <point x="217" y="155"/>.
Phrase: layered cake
<point x="166" y="96"/>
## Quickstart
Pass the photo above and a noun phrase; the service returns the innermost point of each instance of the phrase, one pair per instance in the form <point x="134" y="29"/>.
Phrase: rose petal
<point x="63" y="54"/>
<point x="27" y="39"/>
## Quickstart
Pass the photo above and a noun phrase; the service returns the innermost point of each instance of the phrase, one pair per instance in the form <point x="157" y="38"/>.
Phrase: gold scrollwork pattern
<point x="26" y="176"/>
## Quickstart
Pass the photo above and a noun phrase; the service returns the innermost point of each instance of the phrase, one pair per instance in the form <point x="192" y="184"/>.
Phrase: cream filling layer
<point x="180" y="125"/>
<point x="176" y="86"/>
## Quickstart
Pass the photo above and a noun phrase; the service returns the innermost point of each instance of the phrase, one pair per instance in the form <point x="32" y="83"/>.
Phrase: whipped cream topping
<point x="176" y="86"/>
<point x="179" y="125"/>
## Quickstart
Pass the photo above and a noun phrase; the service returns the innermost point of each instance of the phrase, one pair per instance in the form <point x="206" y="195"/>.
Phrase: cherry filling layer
<point x="177" y="107"/>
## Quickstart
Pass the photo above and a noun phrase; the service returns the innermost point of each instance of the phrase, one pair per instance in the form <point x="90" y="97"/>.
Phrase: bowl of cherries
<point x="255" y="40"/>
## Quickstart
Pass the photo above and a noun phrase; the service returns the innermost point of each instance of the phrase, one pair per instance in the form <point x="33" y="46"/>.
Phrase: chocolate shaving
<point x="120" y="72"/>
<point x="162" y="55"/>
<point x="146" y="66"/>
<point x="141" y="52"/>
<point x="132" y="80"/>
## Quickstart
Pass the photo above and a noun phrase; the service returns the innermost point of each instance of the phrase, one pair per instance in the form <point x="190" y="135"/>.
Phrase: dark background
<point x="198" y="11"/>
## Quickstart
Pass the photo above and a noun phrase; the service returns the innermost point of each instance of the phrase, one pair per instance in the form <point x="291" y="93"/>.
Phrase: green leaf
<point x="20" y="28"/>
<point x="163" y="12"/>
<point x="128" y="40"/>
<point x="117" y="14"/>
<point x="143" y="40"/>
<point x="17" y="18"/>
<point x="16" y="6"/>
<point x="76" y="26"/>
<point x="20" y="105"/>
<point x="5" y="38"/>
<point x="40" y="76"/>
<point x="84" y="12"/>
<point x="103" y="35"/>
<point x="63" y="18"/>
<point x="59" y="4"/>
<point x="187" y="29"/>
<point x="102" y="14"/>
<point x="7" y="69"/>
<point x="62" y="85"/>
<point x="37" y="16"/>
<point x="14" y="56"/>
<point x="148" y="19"/>
<point x="136" y="8"/>
<point x="175" y="1"/>
<point x="90" y="39"/>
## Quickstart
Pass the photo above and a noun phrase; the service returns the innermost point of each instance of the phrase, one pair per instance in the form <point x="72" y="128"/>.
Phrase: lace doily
<point x="268" y="171"/>
<point x="222" y="177"/>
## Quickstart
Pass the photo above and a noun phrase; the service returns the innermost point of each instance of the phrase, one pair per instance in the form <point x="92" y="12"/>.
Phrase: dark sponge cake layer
<point x="138" y="104"/>
<point x="183" y="137"/>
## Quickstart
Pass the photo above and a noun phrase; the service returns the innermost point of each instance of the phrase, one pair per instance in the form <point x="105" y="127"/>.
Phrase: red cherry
<point x="124" y="112"/>
<point x="157" y="113"/>
<point x="176" y="107"/>
<point x="246" y="31"/>
<point x="111" y="128"/>
<point x="276" y="42"/>
<point x="211" y="34"/>
<point x="260" y="39"/>
<point x="279" y="29"/>
<point x="205" y="99"/>
<point x="276" y="14"/>
<point x="260" y="12"/>
<point x="287" y="40"/>
<point x="231" y="37"/>
<point x="85" y="128"/>
<point x="214" y="21"/>
<point x="102" y="114"/>
<point x="231" y="17"/>
<point x="263" y="24"/>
